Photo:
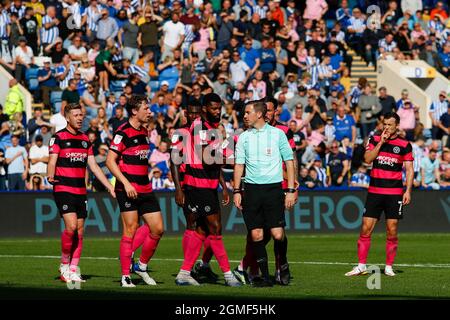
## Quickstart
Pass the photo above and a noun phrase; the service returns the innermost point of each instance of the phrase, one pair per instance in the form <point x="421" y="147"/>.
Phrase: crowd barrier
<point x="34" y="214"/>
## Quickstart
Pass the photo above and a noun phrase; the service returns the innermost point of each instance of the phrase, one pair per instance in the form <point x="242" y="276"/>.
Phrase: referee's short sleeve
<point x="285" y="149"/>
<point x="240" y="149"/>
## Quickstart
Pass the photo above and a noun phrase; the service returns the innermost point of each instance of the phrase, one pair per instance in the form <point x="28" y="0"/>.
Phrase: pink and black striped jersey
<point x="180" y="142"/>
<point x="386" y="174"/>
<point x="73" y="151"/>
<point x="290" y="136"/>
<point x="198" y="174"/>
<point x="132" y="146"/>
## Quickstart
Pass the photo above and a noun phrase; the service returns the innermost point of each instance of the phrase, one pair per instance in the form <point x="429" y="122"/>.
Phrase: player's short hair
<point x="135" y="102"/>
<point x="210" y="98"/>
<point x="271" y="100"/>
<point x="71" y="106"/>
<point x="258" y="106"/>
<point x="394" y="115"/>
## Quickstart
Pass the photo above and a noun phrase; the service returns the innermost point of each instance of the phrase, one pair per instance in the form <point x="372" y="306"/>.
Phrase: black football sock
<point x="261" y="257"/>
<point x="280" y="250"/>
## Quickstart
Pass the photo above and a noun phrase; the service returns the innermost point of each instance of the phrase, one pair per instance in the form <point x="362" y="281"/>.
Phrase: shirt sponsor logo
<point x="143" y="154"/>
<point x="388" y="161"/>
<point x="76" y="156"/>
<point x="117" y="139"/>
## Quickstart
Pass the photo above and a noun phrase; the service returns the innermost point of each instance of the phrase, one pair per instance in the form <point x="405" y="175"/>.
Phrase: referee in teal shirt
<point x="261" y="150"/>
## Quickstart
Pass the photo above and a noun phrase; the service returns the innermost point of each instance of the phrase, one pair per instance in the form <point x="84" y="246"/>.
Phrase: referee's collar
<point x="263" y="129"/>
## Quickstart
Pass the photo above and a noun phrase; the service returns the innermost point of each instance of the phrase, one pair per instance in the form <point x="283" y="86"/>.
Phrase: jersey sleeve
<point x="408" y="153"/>
<point x="54" y="145"/>
<point x="290" y="137"/>
<point x="285" y="148"/>
<point x="118" y="142"/>
<point x="90" y="149"/>
<point x="371" y="144"/>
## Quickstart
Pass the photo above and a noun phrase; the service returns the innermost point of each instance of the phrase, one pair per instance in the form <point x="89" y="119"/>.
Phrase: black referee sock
<point x="280" y="250"/>
<point x="261" y="257"/>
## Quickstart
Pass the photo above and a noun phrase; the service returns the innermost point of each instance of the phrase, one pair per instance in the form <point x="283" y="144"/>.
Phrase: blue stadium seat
<point x="116" y="85"/>
<point x="55" y="97"/>
<point x="154" y="85"/>
<point x="33" y="84"/>
<point x="57" y="106"/>
<point x="31" y="73"/>
<point x="170" y="75"/>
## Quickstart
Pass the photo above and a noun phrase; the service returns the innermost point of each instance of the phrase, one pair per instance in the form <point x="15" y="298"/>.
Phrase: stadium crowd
<point x="100" y="52"/>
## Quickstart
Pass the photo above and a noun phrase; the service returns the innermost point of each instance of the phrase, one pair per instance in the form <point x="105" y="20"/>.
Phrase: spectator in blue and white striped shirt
<point x="4" y="23"/>
<point x="261" y="9"/>
<point x="436" y="110"/>
<point x="49" y="28"/>
<point x="90" y="17"/>
<point x="388" y="43"/>
<point x="131" y="69"/>
<point x="312" y="65"/>
<point x="360" y="178"/>
<point x="65" y="72"/>
<point x="357" y="91"/>
<point x="18" y="8"/>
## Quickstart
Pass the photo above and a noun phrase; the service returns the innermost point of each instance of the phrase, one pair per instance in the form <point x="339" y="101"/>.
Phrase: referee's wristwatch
<point x="291" y="190"/>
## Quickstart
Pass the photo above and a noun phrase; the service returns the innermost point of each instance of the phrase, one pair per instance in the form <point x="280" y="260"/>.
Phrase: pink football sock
<point x="363" y="248"/>
<point x="148" y="248"/>
<point x="139" y="237"/>
<point x="76" y="253"/>
<point x="66" y="246"/>
<point x="218" y="248"/>
<point x="187" y="234"/>
<point x="193" y="246"/>
<point x="207" y="251"/>
<point x="391" y="250"/>
<point x="125" y="255"/>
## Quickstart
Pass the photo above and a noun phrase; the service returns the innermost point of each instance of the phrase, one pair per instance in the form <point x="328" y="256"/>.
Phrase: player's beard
<point x="212" y="118"/>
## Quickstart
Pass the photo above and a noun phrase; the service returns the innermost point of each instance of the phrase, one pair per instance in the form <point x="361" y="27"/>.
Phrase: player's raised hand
<point x="384" y="135"/>
<point x="131" y="191"/>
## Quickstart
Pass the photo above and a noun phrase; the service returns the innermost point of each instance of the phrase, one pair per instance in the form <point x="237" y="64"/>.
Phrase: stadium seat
<point x="154" y="85"/>
<point x="170" y="75"/>
<point x="55" y="97"/>
<point x="115" y="86"/>
<point x="33" y="84"/>
<point x="31" y="73"/>
<point x="57" y="107"/>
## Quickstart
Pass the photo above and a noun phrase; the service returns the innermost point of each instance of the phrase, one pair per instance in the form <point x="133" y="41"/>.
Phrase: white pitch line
<point x="324" y="263"/>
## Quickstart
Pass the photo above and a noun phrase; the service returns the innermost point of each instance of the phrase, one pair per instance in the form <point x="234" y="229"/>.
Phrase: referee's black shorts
<point x="263" y="206"/>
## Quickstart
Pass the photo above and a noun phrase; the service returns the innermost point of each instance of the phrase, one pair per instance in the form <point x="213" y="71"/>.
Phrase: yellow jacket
<point x="15" y="101"/>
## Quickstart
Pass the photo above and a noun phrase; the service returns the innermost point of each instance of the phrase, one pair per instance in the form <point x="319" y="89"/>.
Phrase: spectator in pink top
<point x="160" y="157"/>
<point x="408" y="119"/>
<point x="315" y="9"/>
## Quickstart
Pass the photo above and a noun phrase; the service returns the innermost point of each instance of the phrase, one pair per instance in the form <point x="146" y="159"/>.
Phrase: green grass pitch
<point x="28" y="269"/>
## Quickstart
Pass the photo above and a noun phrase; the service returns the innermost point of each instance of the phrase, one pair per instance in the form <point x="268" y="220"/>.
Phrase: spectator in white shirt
<point x="240" y="71"/>
<point x="38" y="157"/>
<point x="173" y="36"/>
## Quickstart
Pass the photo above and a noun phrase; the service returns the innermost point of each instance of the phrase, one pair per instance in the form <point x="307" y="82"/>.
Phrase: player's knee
<point x="130" y="230"/>
<point x="71" y="227"/>
<point x="278" y="235"/>
<point x="215" y="228"/>
<point x="158" y="232"/>
<point x="257" y="235"/>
